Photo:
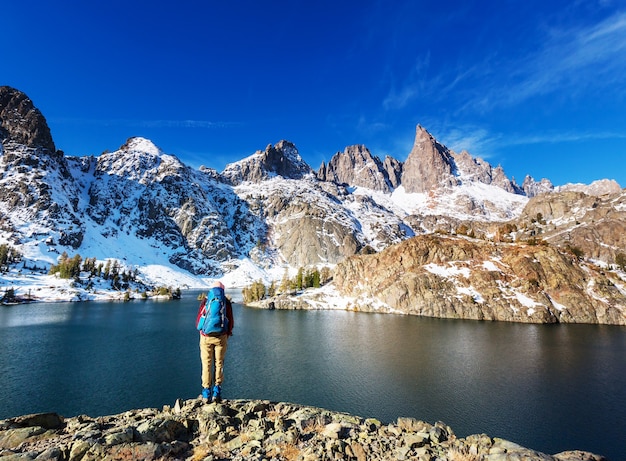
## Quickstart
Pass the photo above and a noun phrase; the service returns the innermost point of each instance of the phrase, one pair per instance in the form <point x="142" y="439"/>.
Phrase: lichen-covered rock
<point x="249" y="430"/>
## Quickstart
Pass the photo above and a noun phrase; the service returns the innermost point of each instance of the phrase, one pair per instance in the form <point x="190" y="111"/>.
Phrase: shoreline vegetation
<point x="528" y="285"/>
<point x="304" y="279"/>
<point x="74" y="279"/>
<point x="11" y="298"/>
<point x="251" y="430"/>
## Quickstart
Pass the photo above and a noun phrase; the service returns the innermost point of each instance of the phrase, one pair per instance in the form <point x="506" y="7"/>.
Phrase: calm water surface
<point x="547" y="387"/>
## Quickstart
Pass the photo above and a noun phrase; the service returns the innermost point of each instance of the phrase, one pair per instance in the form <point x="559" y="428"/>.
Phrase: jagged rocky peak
<point x="356" y="166"/>
<point x="476" y="169"/>
<point x="473" y="168"/>
<point x="138" y="159"/>
<point x="429" y="165"/>
<point x="500" y="179"/>
<point x="533" y="188"/>
<point x="141" y="145"/>
<point x="393" y="168"/>
<point x="598" y="188"/>
<point x="21" y="122"/>
<point x="281" y="159"/>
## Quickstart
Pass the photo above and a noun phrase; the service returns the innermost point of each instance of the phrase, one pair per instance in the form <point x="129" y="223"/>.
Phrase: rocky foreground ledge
<point x="249" y="430"/>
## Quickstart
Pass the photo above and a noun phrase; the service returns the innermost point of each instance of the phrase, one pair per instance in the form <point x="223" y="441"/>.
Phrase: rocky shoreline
<point x="249" y="430"/>
<point x="453" y="277"/>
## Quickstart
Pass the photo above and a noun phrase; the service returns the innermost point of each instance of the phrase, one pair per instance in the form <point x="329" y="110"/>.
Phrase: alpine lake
<point x="547" y="387"/>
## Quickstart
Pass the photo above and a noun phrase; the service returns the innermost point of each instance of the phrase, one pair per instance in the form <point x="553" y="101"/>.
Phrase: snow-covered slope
<point x="264" y="215"/>
<point x="148" y="210"/>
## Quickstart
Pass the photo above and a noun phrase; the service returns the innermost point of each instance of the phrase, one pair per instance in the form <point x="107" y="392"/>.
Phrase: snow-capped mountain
<point x="262" y="214"/>
<point x="188" y="215"/>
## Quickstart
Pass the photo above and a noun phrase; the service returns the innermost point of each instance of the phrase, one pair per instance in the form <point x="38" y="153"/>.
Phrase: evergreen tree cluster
<point x="8" y="256"/>
<point x="254" y="292"/>
<point x="173" y="293"/>
<point x="305" y="278"/>
<point x="8" y="297"/>
<point x="71" y="268"/>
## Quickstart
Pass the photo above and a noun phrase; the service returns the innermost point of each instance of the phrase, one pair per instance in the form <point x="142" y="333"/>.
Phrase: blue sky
<point x="536" y="86"/>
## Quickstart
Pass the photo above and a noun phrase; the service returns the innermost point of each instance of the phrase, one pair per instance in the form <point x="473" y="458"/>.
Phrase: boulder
<point x="250" y="430"/>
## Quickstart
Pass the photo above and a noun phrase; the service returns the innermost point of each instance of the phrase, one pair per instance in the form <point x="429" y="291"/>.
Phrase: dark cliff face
<point x="356" y="166"/>
<point x="21" y="122"/>
<point x="282" y="160"/>
<point x="393" y="168"/>
<point x="36" y="182"/>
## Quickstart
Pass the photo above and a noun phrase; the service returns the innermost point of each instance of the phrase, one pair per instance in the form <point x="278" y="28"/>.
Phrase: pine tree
<point x="255" y="292"/>
<point x="315" y="283"/>
<point x="259" y="290"/>
<point x="4" y="255"/>
<point x="300" y="279"/>
<point x="285" y="284"/>
<point x="115" y="269"/>
<point x="325" y="275"/>
<point x="620" y="260"/>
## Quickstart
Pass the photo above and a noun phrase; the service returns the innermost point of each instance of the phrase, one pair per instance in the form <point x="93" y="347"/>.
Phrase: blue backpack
<point x="213" y="319"/>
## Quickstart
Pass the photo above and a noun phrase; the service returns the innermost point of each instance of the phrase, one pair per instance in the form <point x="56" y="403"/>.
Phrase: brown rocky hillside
<point x="595" y="224"/>
<point x="460" y="277"/>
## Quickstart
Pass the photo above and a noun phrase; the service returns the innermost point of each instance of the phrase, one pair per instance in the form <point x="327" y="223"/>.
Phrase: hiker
<point x="215" y="324"/>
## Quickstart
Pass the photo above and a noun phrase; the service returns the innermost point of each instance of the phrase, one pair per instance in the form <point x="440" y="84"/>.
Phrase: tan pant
<point x="212" y="351"/>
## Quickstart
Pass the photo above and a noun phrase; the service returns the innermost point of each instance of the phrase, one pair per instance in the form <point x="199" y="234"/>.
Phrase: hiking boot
<point x="217" y="393"/>
<point x="206" y="394"/>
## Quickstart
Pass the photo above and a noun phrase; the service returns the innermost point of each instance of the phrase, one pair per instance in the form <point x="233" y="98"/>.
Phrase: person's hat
<point x="218" y="284"/>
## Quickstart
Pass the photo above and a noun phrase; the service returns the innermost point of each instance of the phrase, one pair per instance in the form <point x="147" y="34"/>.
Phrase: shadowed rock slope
<point x="21" y="122"/>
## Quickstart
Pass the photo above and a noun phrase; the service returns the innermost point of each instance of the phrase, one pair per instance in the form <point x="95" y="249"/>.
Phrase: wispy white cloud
<point x="476" y="140"/>
<point x="571" y="61"/>
<point x="397" y="99"/>
<point x="370" y="127"/>
<point x="480" y="142"/>
<point x="562" y="137"/>
<point x="410" y="88"/>
<point x="206" y="124"/>
<point x="182" y="124"/>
